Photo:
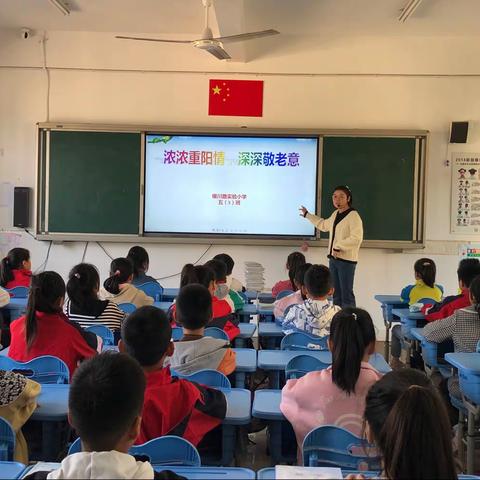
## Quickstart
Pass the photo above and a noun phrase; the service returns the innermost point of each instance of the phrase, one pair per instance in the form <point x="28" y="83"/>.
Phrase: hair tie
<point x="426" y="264"/>
<point x="354" y="316"/>
<point x="6" y="260"/>
<point x="117" y="273"/>
<point x="76" y="275"/>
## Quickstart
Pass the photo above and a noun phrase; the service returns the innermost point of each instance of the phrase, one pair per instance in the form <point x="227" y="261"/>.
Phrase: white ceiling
<point x="291" y="17"/>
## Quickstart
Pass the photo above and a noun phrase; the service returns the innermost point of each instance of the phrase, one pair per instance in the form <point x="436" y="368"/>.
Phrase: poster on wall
<point x="469" y="250"/>
<point x="465" y="204"/>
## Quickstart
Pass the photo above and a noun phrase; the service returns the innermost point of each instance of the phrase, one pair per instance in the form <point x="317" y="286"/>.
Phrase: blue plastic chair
<point x="7" y="441"/>
<point x="216" y="332"/>
<point x="299" y="366"/>
<point x="177" y="333"/>
<point x="331" y="446"/>
<point x="152" y="289"/>
<point x="168" y="451"/>
<point x="283" y="293"/>
<point x="103" y="332"/>
<point x="127" y="307"/>
<point x="244" y="296"/>
<point x="18" y="292"/>
<point x="46" y="369"/>
<point x="303" y="341"/>
<point x="211" y="378"/>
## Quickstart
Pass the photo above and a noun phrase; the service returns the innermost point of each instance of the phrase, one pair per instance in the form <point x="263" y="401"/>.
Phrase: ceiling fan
<point x="207" y="42"/>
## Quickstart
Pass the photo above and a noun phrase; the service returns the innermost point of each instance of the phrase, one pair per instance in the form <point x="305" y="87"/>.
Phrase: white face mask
<point x="221" y="291"/>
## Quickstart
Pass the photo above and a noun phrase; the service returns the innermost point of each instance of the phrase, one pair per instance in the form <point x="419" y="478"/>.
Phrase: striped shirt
<point x="102" y="312"/>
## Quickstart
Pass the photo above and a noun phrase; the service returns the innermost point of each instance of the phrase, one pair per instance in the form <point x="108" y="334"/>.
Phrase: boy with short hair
<point x="232" y="282"/>
<point x="468" y="269"/>
<point x="172" y="406"/>
<point x="105" y="405"/>
<point x="195" y="351"/>
<point x="315" y="314"/>
<point x="223" y="291"/>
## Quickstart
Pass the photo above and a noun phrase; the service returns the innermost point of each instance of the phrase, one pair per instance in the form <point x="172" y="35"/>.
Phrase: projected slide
<point x="229" y="185"/>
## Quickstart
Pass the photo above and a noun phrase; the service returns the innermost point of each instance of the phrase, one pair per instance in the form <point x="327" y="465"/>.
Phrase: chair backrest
<point x="168" y="451"/>
<point x="7" y="441"/>
<point x="127" y="307"/>
<point x="331" y="446"/>
<point x="283" y="293"/>
<point x="211" y="378"/>
<point x="18" y="292"/>
<point x="152" y="289"/>
<point x="103" y="332"/>
<point x="44" y="369"/>
<point x="300" y="365"/>
<point x="177" y="333"/>
<point x="216" y="332"/>
<point x="244" y="296"/>
<point x="303" y="341"/>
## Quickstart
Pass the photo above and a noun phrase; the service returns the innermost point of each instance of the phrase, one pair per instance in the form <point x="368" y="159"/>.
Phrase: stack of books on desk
<point x="254" y="276"/>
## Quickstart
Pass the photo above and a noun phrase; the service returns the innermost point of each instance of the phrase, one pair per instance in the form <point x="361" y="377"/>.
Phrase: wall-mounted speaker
<point x="21" y="207"/>
<point x="459" y="132"/>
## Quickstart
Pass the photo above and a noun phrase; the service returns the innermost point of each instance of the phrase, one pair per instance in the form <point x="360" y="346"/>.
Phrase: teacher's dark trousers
<point x="343" y="274"/>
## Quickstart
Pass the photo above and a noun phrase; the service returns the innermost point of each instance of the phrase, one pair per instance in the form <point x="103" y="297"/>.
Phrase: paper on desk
<point x="285" y="472"/>
<point x="41" y="467"/>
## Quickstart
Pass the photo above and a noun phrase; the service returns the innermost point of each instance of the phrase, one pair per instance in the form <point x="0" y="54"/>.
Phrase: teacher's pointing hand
<point x="303" y="211"/>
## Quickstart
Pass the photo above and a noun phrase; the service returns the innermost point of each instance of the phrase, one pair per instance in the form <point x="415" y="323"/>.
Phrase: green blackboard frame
<point x="43" y="232"/>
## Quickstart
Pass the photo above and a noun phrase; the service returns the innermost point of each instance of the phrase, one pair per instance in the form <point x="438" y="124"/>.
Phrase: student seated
<point x="294" y="260"/>
<point x="299" y="296"/>
<point x="336" y="395"/>
<point x="316" y="312"/>
<point x="140" y="261"/>
<point x="45" y="330"/>
<point x="222" y="290"/>
<point x="195" y="351"/>
<point x="232" y="282"/>
<point x="221" y="310"/>
<point x="118" y="287"/>
<point x="463" y="328"/>
<point x="16" y="269"/>
<point x="172" y="406"/>
<point x="468" y="269"/>
<point x="83" y="305"/>
<point x="424" y="288"/>
<point x="105" y="407"/>
<point x="406" y="419"/>
<point x="18" y="400"/>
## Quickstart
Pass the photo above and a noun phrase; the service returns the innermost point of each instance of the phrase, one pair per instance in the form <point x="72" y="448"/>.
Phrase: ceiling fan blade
<point x="219" y="52"/>
<point x="153" y="39"/>
<point x="247" y="36"/>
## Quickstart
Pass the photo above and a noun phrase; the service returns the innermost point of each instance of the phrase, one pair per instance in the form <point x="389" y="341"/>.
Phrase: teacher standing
<point x="346" y="235"/>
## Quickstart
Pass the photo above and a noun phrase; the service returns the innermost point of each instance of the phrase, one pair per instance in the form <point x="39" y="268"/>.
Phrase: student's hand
<point x="303" y="211"/>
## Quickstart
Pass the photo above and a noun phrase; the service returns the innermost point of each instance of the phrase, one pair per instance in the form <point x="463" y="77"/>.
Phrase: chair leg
<point x="470" y="443"/>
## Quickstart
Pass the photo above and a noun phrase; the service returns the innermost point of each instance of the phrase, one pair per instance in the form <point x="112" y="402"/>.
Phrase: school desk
<point x="388" y="303"/>
<point x="271" y="332"/>
<point x="11" y="470"/>
<point x="408" y="321"/>
<point x="164" y="305"/>
<point x="4" y="352"/>
<point x="246" y="362"/>
<point x="262" y="297"/>
<point x="16" y="307"/>
<point x="169" y="294"/>
<point x="246" y="331"/>
<point x="265" y="312"/>
<point x="275" y="361"/>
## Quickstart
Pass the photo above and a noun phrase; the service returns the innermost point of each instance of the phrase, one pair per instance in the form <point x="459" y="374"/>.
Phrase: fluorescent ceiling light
<point x="408" y="10"/>
<point x="60" y="6"/>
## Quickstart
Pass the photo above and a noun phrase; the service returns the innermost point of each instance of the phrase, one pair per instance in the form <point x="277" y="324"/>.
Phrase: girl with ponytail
<point x="336" y="395"/>
<point x="407" y="420"/>
<point x="118" y="286"/>
<point x="294" y="260"/>
<point x="15" y="269"/>
<point x="140" y="261"/>
<point x="45" y="330"/>
<point x="463" y="328"/>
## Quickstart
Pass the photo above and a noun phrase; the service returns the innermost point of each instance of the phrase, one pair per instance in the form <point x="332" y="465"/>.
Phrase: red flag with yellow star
<point x="242" y="98"/>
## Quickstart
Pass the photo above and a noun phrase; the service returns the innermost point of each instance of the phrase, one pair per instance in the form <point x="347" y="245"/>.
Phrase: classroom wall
<point x="365" y="82"/>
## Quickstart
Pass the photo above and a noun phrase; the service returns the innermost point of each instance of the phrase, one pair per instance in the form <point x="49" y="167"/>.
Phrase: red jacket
<point x="447" y="307"/>
<point x="21" y="278"/>
<point x="174" y="406"/>
<point x="56" y="336"/>
<point x="281" y="286"/>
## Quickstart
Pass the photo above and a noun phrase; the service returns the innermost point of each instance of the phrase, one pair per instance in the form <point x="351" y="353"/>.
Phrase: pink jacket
<point x="314" y="400"/>
<point x="281" y="305"/>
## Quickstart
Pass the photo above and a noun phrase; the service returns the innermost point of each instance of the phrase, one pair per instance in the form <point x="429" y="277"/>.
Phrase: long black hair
<point x="294" y="260"/>
<point x="46" y="290"/>
<point x="121" y="269"/>
<point x="405" y="414"/>
<point x="83" y="283"/>
<point x="351" y="332"/>
<point x="196" y="274"/>
<point x="13" y="261"/>
<point x="426" y="269"/>
<point x="139" y="258"/>
<point x="475" y="293"/>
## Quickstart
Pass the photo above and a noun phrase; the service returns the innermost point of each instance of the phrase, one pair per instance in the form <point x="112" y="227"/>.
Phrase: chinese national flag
<point x="237" y="98"/>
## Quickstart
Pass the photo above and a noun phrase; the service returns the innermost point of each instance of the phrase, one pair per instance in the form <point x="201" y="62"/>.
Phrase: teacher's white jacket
<point x="348" y="233"/>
